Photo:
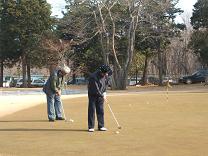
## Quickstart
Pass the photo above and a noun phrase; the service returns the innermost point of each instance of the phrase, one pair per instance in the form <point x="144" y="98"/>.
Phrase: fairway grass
<point x="152" y="125"/>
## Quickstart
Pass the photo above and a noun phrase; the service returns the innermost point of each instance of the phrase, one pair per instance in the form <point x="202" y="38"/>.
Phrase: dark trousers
<point x="95" y="103"/>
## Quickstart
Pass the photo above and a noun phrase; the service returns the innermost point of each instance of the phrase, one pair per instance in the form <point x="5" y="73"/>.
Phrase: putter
<point x="119" y="127"/>
<point x="70" y="120"/>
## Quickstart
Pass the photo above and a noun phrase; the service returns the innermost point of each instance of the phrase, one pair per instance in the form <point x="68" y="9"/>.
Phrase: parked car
<point x="19" y="83"/>
<point x="170" y="80"/>
<point x="13" y="82"/>
<point x="77" y="81"/>
<point x="8" y="78"/>
<point x="7" y="81"/>
<point x="150" y="80"/>
<point x="133" y="81"/>
<point x="153" y="80"/>
<point x="197" y="77"/>
<point x="38" y="83"/>
<point x="6" y="84"/>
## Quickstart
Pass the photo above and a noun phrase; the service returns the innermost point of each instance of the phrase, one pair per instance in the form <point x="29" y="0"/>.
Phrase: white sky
<point x="57" y="7"/>
<point x="186" y="5"/>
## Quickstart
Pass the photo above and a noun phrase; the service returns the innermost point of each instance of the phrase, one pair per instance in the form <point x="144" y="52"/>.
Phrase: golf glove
<point x="104" y="95"/>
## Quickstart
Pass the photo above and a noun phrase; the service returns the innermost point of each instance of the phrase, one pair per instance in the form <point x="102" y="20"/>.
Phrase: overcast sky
<point x="57" y="7"/>
<point x="186" y="5"/>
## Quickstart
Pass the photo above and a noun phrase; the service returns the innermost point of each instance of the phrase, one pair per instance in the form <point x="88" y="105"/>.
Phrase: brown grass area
<point x="151" y="126"/>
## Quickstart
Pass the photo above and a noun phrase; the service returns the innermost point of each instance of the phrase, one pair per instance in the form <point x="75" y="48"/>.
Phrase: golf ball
<point x="71" y="120"/>
<point x="117" y="132"/>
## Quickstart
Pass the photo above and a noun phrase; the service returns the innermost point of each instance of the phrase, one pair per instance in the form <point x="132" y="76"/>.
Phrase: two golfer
<point x="98" y="83"/>
<point x="97" y="86"/>
<point x="52" y="88"/>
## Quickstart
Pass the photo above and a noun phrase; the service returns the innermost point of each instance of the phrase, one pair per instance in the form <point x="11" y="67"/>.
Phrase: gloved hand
<point x="105" y="96"/>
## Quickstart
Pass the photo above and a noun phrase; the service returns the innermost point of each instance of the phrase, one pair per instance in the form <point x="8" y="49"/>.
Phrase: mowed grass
<point x="152" y="125"/>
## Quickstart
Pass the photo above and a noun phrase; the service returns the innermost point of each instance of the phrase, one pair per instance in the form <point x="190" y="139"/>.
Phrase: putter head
<point x="71" y="120"/>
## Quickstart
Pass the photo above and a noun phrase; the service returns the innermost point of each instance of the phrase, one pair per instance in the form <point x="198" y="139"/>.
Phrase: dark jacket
<point x="54" y="83"/>
<point x="97" y="84"/>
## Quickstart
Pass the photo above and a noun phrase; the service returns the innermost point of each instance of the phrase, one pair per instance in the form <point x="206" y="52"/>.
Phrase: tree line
<point x="128" y="35"/>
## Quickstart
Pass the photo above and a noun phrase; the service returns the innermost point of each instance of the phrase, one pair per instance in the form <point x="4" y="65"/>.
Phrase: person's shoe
<point x="91" y="130"/>
<point x="51" y="120"/>
<point x="60" y="118"/>
<point x="102" y="129"/>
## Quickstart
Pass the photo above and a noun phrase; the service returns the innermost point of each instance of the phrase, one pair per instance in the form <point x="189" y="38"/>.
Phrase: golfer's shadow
<point x="23" y="121"/>
<point x="41" y="130"/>
<point x="33" y="129"/>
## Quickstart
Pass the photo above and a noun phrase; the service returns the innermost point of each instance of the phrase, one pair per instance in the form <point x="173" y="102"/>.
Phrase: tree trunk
<point x="52" y="67"/>
<point x="160" y="67"/>
<point x="104" y="36"/>
<point x="73" y="78"/>
<point x="144" y="77"/>
<point x="24" y="71"/>
<point x="119" y="79"/>
<point x="28" y="73"/>
<point x="2" y="73"/>
<point x="137" y="71"/>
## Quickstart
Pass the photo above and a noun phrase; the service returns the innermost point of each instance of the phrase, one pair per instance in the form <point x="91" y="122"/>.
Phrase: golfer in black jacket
<point x="98" y="83"/>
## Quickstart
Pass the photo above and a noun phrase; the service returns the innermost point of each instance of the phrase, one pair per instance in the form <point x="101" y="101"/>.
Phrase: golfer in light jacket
<point x="52" y="88"/>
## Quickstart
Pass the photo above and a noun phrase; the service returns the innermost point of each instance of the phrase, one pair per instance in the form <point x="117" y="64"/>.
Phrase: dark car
<point x="197" y="77"/>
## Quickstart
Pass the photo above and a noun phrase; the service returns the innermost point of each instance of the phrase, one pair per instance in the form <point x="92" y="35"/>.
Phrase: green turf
<point x="152" y="125"/>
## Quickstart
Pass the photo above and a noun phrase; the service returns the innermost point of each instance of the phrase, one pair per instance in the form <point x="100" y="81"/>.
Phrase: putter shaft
<point x="119" y="127"/>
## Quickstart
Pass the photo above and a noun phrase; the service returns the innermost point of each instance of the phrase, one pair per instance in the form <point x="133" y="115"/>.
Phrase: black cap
<point x="104" y="68"/>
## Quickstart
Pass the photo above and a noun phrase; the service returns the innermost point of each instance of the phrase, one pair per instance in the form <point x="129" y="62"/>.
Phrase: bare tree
<point x="115" y="22"/>
<point x="180" y="59"/>
<point x="107" y="22"/>
<point x="55" y="50"/>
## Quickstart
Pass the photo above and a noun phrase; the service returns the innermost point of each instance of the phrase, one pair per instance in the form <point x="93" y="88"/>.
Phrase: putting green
<point x="151" y="126"/>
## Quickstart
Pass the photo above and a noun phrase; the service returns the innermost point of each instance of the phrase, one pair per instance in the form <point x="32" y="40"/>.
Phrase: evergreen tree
<point x="9" y="43"/>
<point x="199" y="39"/>
<point x="32" y="18"/>
<point x="199" y="18"/>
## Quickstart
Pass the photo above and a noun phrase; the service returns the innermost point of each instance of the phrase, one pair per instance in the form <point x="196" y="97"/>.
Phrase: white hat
<point x="65" y="69"/>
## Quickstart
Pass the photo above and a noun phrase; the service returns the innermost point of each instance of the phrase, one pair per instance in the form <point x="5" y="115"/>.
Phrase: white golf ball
<point x="117" y="132"/>
<point x="71" y="120"/>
